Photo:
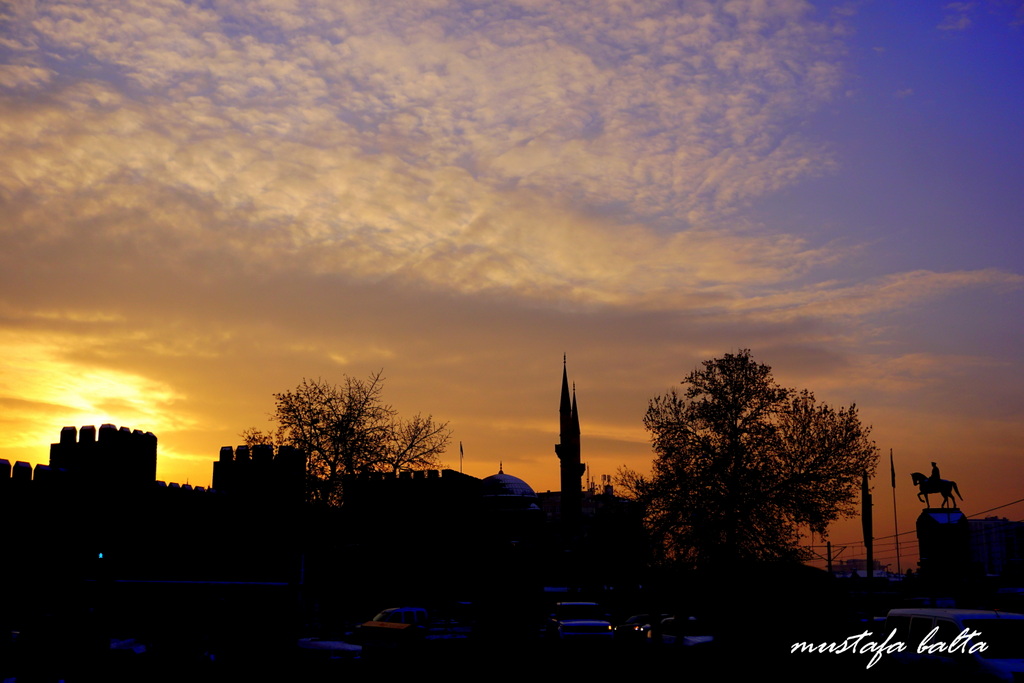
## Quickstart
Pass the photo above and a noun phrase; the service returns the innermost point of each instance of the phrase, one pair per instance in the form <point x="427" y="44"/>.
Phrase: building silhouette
<point x="95" y="542"/>
<point x="570" y="464"/>
<point x="997" y="546"/>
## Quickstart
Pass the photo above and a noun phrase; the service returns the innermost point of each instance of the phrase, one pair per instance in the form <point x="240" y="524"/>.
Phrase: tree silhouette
<point x="346" y="429"/>
<point x="743" y="464"/>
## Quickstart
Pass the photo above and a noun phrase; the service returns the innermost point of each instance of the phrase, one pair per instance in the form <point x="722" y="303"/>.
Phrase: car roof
<point x="953" y="613"/>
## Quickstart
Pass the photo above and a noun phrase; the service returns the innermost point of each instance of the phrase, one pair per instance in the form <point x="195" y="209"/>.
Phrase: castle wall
<point x="116" y="457"/>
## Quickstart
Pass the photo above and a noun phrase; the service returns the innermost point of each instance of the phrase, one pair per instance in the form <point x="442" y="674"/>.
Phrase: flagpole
<point x="895" y="522"/>
<point x="869" y="538"/>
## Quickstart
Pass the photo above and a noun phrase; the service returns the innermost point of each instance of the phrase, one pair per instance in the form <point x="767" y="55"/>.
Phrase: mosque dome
<point x="505" y="485"/>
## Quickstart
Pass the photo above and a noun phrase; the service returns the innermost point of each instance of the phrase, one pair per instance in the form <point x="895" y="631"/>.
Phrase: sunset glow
<point x="202" y="203"/>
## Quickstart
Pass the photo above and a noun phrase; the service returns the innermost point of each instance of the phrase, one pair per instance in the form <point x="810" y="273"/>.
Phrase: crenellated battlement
<point x="409" y="492"/>
<point x="116" y="457"/>
<point x="258" y="471"/>
<point x="97" y="510"/>
<point x="47" y="477"/>
<point x="107" y="459"/>
<point x="410" y="475"/>
<point x="121" y="459"/>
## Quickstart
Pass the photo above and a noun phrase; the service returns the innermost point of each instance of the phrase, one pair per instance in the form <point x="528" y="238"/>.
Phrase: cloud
<point x="142" y="174"/>
<point x="42" y="386"/>
<point x="831" y="299"/>
<point x="595" y="155"/>
<point x="670" y="113"/>
<point x="14" y="76"/>
<point x="957" y="16"/>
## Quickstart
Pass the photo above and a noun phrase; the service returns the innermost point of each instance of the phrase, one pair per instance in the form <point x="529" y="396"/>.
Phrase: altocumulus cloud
<point x="451" y="144"/>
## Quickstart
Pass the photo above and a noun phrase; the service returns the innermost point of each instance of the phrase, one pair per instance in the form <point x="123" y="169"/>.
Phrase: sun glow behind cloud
<point x="47" y="380"/>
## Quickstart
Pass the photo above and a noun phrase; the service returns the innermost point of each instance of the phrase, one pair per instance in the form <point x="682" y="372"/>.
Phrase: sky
<point x="203" y="203"/>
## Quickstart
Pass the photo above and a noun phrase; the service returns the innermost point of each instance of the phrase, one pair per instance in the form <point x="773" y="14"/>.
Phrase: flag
<point x="892" y="469"/>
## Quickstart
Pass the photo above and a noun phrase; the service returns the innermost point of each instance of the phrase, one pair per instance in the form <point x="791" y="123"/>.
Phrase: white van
<point x="975" y="644"/>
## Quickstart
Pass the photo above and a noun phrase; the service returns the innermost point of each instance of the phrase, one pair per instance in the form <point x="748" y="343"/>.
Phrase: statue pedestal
<point x="944" y="541"/>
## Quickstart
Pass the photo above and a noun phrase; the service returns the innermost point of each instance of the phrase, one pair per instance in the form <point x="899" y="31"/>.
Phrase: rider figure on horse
<point x="936" y="484"/>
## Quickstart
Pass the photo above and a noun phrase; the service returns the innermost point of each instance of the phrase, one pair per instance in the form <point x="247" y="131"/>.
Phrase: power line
<point x="893" y="548"/>
<point x="970" y="516"/>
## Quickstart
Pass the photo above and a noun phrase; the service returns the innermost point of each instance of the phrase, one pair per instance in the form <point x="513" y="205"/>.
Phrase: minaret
<point x="568" y="451"/>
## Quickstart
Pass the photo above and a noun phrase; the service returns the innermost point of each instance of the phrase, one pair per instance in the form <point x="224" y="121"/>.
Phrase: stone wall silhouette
<point x="114" y="457"/>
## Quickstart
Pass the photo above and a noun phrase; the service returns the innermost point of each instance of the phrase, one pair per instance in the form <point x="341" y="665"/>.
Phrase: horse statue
<point x="944" y="486"/>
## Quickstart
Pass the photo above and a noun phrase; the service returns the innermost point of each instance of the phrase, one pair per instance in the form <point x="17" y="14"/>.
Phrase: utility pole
<point x="865" y="518"/>
<point x="895" y="522"/>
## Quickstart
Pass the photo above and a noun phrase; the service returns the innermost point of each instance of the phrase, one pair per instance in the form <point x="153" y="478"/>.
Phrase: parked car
<point x="415" y="616"/>
<point x="960" y="643"/>
<point x="395" y="624"/>
<point x="636" y="627"/>
<point x="327" y="649"/>
<point x="681" y="631"/>
<point x="579" y="621"/>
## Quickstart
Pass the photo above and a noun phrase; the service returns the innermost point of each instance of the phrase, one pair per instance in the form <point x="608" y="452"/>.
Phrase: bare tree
<point x="254" y="436"/>
<point x="416" y="443"/>
<point x="347" y="429"/>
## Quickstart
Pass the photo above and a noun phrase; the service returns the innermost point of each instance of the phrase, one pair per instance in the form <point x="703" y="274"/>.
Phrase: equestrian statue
<point x="934" y="484"/>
